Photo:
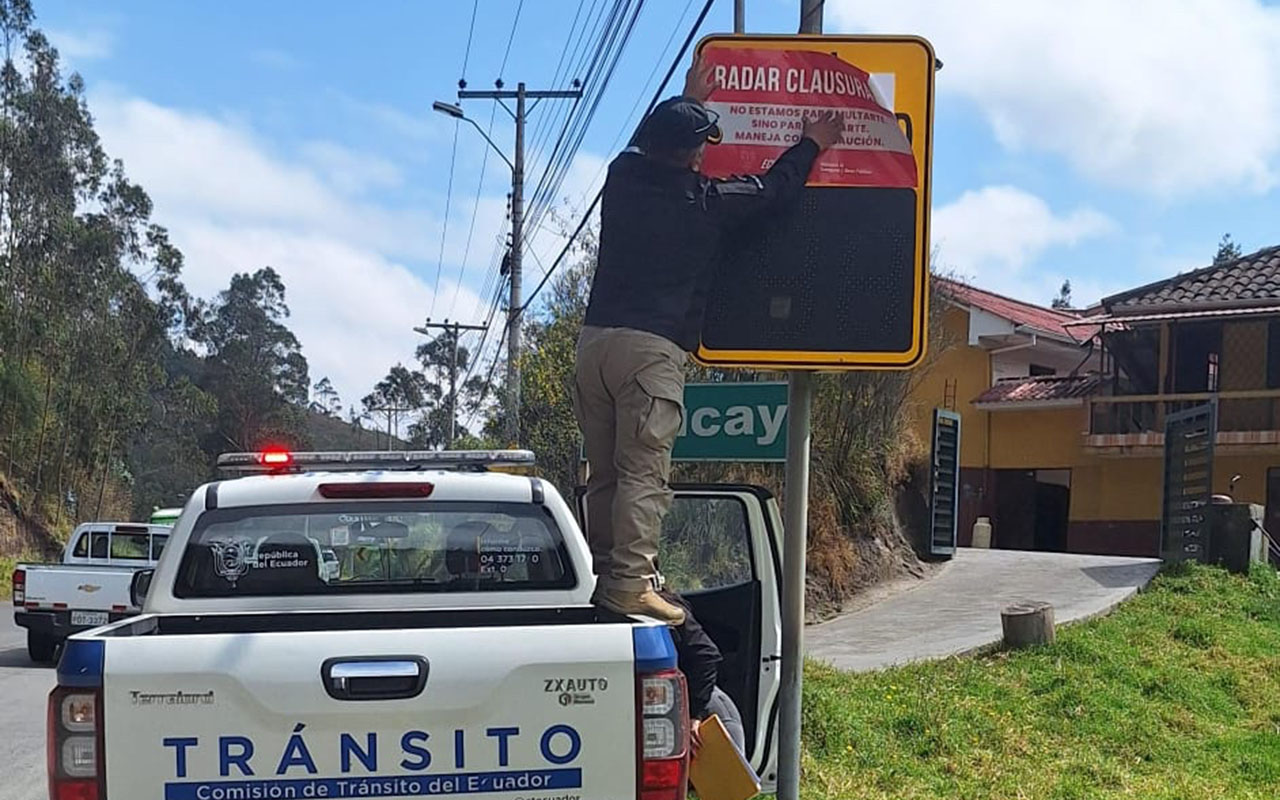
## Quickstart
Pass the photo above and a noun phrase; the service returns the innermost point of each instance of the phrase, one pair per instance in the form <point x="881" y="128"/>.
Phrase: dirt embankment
<point x="20" y="534"/>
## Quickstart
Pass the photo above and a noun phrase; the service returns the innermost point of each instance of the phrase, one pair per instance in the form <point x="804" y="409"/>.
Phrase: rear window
<point x="130" y="546"/>
<point x="356" y="548"/>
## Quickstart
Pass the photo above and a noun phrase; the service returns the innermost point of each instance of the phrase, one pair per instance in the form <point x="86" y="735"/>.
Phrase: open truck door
<point x="720" y="549"/>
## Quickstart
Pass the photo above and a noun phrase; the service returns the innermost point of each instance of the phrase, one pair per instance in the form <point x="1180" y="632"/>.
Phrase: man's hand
<point x="695" y="736"/>
<point x="699" y="83"/>
<point x="824" y="129"/>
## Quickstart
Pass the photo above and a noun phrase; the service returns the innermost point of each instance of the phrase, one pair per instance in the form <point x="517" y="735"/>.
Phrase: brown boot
<point x="646" y="603"/>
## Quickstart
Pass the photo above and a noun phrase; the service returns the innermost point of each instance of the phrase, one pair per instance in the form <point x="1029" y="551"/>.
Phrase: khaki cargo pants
<point x="629" y="400"/>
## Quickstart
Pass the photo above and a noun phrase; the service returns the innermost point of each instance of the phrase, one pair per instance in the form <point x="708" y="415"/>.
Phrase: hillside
<point x="333" y="433"/>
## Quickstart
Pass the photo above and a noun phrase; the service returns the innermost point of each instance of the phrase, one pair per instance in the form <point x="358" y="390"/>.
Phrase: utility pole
<point x="515" y="304"/>
<point x="811" y="16"/>
<point x="393" y="422"/>
<point x="456" y="328"/>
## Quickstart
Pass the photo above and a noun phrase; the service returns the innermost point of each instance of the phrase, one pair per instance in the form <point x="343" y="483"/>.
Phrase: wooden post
<point x="1027" y="623"/>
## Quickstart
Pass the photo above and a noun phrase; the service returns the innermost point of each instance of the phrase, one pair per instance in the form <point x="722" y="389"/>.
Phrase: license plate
<point x="89" y="618"/>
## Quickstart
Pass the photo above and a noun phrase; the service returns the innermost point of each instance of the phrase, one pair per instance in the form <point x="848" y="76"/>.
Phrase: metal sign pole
<point x="795" y="537"/>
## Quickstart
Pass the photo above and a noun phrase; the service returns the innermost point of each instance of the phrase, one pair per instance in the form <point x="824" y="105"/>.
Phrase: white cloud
<point x="1165" y="97"/>
<point x="993" y="234"/>
<point x="352" y="171"/>
<point x="232" y="205"/>
<point x="75" y="46"/>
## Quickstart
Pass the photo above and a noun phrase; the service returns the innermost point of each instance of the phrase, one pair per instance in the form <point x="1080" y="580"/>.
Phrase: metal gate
<point x="944" y="483"/>
<point x="1188" y="482"/>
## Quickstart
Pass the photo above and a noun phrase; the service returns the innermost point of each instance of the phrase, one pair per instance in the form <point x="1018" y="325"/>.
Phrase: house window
<point x="1273" y="354"/>
<point x="1039" y="370"/>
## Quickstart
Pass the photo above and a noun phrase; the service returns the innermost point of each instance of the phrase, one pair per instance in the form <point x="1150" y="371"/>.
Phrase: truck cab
<point x="454" y="649"/>
<point x="89" y="588"/>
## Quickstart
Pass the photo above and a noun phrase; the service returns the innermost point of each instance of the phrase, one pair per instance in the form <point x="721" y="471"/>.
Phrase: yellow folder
<point x="718" y="771"/>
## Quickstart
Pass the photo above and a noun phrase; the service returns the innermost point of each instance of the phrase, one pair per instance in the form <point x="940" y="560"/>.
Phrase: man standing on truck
<point x="660" y="227"/>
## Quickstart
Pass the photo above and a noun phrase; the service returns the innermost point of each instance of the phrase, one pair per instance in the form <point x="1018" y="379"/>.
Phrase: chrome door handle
<point x="374" y="677"/>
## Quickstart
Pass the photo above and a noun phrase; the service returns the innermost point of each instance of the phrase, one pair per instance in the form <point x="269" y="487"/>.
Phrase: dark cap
<point x="679" y="124"/>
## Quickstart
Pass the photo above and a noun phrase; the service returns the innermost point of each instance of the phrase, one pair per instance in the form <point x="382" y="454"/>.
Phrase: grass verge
<point x="1175" y="695"/>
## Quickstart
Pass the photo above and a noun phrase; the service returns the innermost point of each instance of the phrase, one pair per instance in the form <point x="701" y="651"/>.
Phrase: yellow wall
<point x="1130" y="488"/>
<point x="1116" y="489"/>
<point x="1045" y="438"/>
<point x="970" y="368"/>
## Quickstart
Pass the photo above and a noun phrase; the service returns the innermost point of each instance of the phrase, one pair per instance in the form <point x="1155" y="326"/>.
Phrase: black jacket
<point x="660" y="226"/>
<point x="696" y="655"/>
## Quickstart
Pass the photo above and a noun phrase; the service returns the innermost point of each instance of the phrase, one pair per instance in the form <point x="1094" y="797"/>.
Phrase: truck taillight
<point x="662" y="707"/>
<point x="19" y="586"/>
<point x="74" y="742"/>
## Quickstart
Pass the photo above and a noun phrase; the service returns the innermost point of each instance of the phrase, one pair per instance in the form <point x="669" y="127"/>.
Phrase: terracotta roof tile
<point x="1041" y="389"/>
<point x="1248" y="280"/>
<point x="1045" y="320"/>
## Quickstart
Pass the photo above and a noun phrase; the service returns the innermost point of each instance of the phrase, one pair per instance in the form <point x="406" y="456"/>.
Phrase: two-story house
<point x="1063" y="413"/>
<point x="1210" y="334"/>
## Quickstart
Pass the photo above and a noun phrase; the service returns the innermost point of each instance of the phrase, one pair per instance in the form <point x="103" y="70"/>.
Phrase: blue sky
<point x="1108" y="143"/>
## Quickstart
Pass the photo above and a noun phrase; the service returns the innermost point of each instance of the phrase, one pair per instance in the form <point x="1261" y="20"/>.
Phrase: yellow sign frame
<point x="912" y="61"/>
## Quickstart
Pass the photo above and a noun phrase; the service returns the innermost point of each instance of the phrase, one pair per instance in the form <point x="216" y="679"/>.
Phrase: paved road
<point x="23" y="689"/>
<point x="959" y="610"/>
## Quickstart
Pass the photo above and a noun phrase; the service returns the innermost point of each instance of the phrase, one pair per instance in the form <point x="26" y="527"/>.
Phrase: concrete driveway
<point x="959" y="610"/>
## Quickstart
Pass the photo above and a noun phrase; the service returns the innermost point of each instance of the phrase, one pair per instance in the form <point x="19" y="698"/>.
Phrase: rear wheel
<point x="41" y="647"/>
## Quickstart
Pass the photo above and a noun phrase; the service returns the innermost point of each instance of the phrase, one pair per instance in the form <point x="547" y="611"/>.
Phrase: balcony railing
<point x="1238" y="411"/>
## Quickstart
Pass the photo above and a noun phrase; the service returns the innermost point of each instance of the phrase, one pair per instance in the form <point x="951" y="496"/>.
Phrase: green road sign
<point x="733" y="422"/>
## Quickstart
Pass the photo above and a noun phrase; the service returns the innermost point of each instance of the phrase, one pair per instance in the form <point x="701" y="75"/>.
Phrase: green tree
<point x="1063" y="300"/>
<point x="253" y="364"/>
<point x="547" y="423"/>
<point x="81" y="336"/>
<point x="1228" y="250"/>
<point x="398" y="397"/>
<point x="464" y="393"/>
<point x="326" y="399"/>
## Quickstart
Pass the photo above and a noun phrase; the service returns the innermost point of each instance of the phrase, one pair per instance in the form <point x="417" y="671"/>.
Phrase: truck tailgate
<point x="505" y="712"/>
<point x="94" y="588"/>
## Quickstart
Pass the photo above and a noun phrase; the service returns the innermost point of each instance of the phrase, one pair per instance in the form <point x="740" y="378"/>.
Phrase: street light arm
<point x="496" y="149"/>
<point x="451" y="110"/>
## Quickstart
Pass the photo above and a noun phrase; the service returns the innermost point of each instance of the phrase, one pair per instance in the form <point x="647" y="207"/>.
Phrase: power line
<point x="595" y="30"/>
<point x="706" y="8"/>
<point x="444" y="228"/>
<point x="626" y="123"/>
<point x="466" y="57"/>
<point x="605" y="61"/>
<point x="475" y="207"/>
<point x="514" y="24"/>
<point x="542" y="125"/>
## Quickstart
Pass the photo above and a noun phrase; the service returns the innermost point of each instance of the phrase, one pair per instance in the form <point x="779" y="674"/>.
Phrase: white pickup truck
<point x="89" y="588"/>
<point x="454" y="653"/>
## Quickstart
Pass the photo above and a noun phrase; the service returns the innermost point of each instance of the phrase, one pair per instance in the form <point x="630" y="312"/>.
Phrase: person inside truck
<point x="699" y="659"/>
<point x="660" y="226"/>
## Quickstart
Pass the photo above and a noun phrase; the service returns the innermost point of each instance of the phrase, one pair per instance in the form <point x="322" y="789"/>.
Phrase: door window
<point x="706" y="544"/>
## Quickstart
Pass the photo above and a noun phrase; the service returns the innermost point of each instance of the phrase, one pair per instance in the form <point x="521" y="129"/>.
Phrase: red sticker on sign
<point x="763" y="97"/>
